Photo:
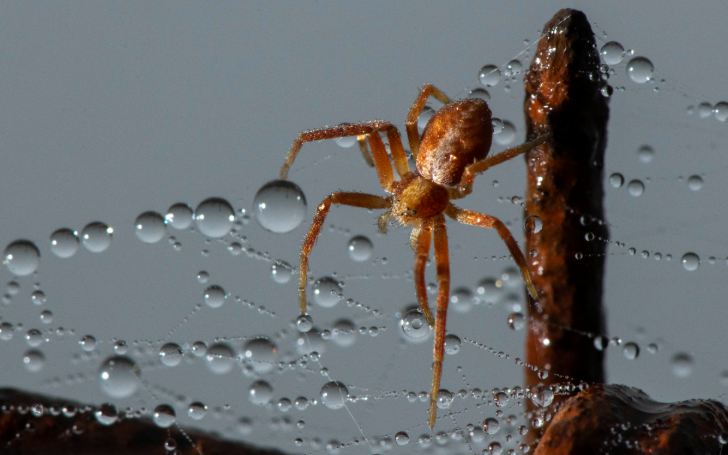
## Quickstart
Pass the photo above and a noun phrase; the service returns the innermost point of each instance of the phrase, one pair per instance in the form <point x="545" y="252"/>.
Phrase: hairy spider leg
<point x="421" y="246"/>
<point x="487" y="221"/>
<point x="412" y="135"/>
<point x="442" y="261"/>
<point x="466" y="183"/>
<point x="379" y="152"/>
<point x="366" y="201"/>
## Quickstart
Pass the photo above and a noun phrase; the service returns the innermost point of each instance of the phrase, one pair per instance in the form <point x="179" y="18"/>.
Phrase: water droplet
<point x="704" y="110"/>
<point x="215" y="296"/>
<point x="489" y="75"/>
<point x="491" y="425"/>
<point x="444" y="398"/>
<point x="652" y="348"/>
<point x="401" y="438"/>
<point x="284" y="405"/>
<point x="612" y="53"/>
<point x="479" y="93"/>
<point x="301" y="403"/>
<point x="462" y="300"/>
<point x="690" y="262"/>
<point x="542" y="396"/>
<point x="170" y="354"/>
<point x="33" y="360"/>
<point x="164" y="416"/>
<point x="219" y="358"/>
<point x="344" y="333"/>
<point x="88" y="343"/>
<point x="636" y="188"/>
<point x="22" y="257"/>
<point x="640" y="69"/>
<point x="6" y="331"/>
<point x="96" y="237"/>
<point x="260" y="353"/>
<point x="245" y="426"/>
<point x="723" y="437"/>
<point x="179" y="216"/>
<point x="645" y="154"/>
<point x="119" y="377"/>
<point x="199" y="349"/>
<point x="720" y="111"/>
<point x="543" y="373"/>
<point x="452" y="344"/>
<point x="346" y="141"/>
<point x="281" y="272"/>
<point x="196" y="411"/>
<point x="607" y="91"/>
<point x="304" y="323"/>
<point x="34" y="338"/>
<point x="414" y="325"/>
<point x="495" y="448"/>
<point x="170" y="445"/>
<point x="682" y="365"/>
<point x="46" y="317"/>
<point x="260" y="393"/>
<point x="616" y="180"/>
<point x="631" y="351"/>
<point x="107" y="414"/>
<point x="326" y="292"/>
<point x="532" y="224"/>
<point x="360" y="248"/>
<point x="149" y="227"/>
<point x="214" y="217"/>
<point x="695" y="183"/>
<point x="600" y="343"/>
<point x="516" y="321"/>
<point x="279" y="206"/>
<point x="334" y="394"/>
<point x="490" y="290"/>
<point x="38" y="297"/>
<point x="120" y="347"/>
<point x="500" y="399"/>
<point x="64" y="243"/>
<point x="506" y="135"/>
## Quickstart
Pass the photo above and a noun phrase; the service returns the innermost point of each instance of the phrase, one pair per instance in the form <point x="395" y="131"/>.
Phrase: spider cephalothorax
<point x="453" y="149"/>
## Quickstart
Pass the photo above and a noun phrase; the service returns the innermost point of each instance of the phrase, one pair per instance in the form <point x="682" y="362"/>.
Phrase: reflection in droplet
<point x="196" y="411"/>
<point x="414" y="325"/>
<point x="532" y="224"/>
<point x="279" y="206"/>
<point x="170" y="354"/>
<point x="516" y="321"/>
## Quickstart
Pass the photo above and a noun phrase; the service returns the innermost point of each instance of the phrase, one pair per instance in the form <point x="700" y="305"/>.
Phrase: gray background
<point x="112" y="110"/>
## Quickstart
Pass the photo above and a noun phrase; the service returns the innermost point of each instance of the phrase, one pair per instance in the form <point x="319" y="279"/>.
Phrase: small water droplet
<point x="616" y="180"/>
<point x="495" y="448"/>
<point x="631" y="351"/>
<point x="612" y="53"/>
<point x="164" y="416"/>
<point x="120" y="347"/>
<point x="326" y="292"/>
<point x="640" y="70"/>
<point x="215" y="296"/>
<point x="489" y="75"/>
<point x="199" y="349"/>
<point x="64" y="243"/>
<point x="279" y="206"/>
<point x="149" y="227"/>
<point x="695" y="183"/>
<point x="645" y="154"/>
<point x="220" y="358"/>
<point x="107" y="414"/>
<point x="197" y="411"/>
<point x="636" y="188"/>
<point x="401" y="438"/>
<point x="720" y="111"/>
<point x="179" y="216"/>
<point x="506" y="135"/>
<point x="96" y="237"/>
<point x="479" y="93"/>
<point x="491" y="425"/>
<point x="170" y="354"/>
<point x="33" y="360"/>
<point x="260" y="354"/>
<point x="532" y="224"/>
<point x="360" y="248"/>
<point x="444" y="399"/>
<point x="88" y="343"/>
<point x="46" y="317"/>
<point x="281" y="272"/>
<point x="682" y="365"/>
<point x="452" y="344"/>
<point x="260" y="393"/>
<point x="705" y="110"/>
<point x="304" y="323"/>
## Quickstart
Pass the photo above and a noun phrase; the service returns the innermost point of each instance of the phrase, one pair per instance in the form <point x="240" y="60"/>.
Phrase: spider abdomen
<point x="457" y="135"/>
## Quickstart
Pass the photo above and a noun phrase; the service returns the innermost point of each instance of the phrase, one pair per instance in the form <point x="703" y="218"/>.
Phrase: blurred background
<point x="110" y="111"/>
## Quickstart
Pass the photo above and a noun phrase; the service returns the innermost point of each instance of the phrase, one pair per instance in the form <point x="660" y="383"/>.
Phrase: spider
<point x="451" y="151"/>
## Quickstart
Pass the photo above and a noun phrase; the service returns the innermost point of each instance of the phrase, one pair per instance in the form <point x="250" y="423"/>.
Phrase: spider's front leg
<point x="366" y="201"/>
<point x="442" y="260"/>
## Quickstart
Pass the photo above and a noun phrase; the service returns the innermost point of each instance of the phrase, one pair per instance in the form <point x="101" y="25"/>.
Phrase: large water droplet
<point x="690" y="261"/>
<point x="326" y="292"/>
<point x="360" y="248"/>
<point x="612" y="53"/>
<point x="281" y="272"/>
<point x="22" y="257"/>
<point x="532" y="224"/>
<point x="506" y="135"/>
<point x="452" y="344"/>
<point x="260" y="354"/>
<point x="304" y="323"/>
<point x="170" y="354"/>
<point x="616" y="180"/>
<point x="462" y="300"/>
<point x="33" y="360"/>
<point x="444" y="399"/>
<point x="6" y="331"/>
<point x="344" y="334"/>
<point x="479" y="92"/>
<point x="179" y="216"/>
<point x="107" y="414"/>
<point x="491" y="425"/>
<point x="196" y="411"/>
<point x="260" y="393"/>
<point x="34" y="338"/>
<point x="149" y="227"/>
<point x="215" y="296"/>
<point x="219" y="358"/>
<point x="720" y="111"/>
<point x="682" y="365"/>
<point x="513" y="68"/>
<point x="695" y="183"/>
<point x="542" y="396"/>
<point x="334" y="394"/>
<point x="119" y="377"/>
<point x="279" y="206"/>
<point x="640" y="69"/>
<point x="645" y="154"/>
<point x="636" y="188"/>
<point x="88" y="343"/>
<point x="164" y="416"/>
<point x="64" y="243"/>
<point x="214" y="217"/>
<point x="96" y="237"/>
<point x="401" y="438"/>
<point x="489" y="75"/>
<point x="495" y="448"/>
<point x="631" y="351"/>
<point x="414" y="325"/>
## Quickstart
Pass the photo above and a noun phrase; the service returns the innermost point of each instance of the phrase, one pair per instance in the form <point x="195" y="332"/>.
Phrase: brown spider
<point x="452" y="150"/>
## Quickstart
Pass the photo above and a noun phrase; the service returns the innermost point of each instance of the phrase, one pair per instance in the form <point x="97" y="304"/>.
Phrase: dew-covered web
<point x="186" y="312"/>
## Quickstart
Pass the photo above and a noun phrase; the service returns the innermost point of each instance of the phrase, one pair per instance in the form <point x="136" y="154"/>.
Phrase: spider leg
<point x="421" y="244"/>
<point x="371" y="131"/>
<point x="415" y="111"/>
<point x="487" y="221"/>
<point x="362" y="140"/>
<point x="367" y="201"/>
<point x="443" y="298"/>
<point x="466" y="183"/>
